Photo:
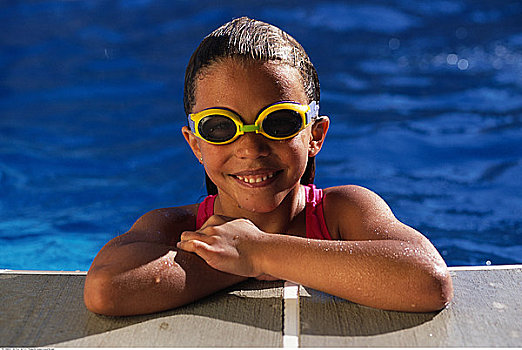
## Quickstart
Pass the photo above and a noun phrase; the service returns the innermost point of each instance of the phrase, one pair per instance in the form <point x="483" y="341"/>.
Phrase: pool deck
<point x="45" y="309"/>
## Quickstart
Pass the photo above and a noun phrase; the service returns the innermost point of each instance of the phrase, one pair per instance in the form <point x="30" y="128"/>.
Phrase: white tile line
<point x="291" y="315"/>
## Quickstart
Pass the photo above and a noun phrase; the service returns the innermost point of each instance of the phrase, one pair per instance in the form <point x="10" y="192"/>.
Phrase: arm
<point x="142" y="271"/>
<point x="377" y="262"/>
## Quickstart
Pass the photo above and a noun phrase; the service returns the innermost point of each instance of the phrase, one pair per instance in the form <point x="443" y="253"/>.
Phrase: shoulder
<point x="357" y="213"/>
<point x="165" y="217"/>
<point x="165" y="224"/>
<point x="354" y="197"/>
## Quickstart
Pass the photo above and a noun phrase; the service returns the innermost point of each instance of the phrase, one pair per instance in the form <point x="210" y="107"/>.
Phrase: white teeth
<point x="253" y="180"/>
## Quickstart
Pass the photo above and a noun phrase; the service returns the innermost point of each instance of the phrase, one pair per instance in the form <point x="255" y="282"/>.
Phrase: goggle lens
<point x="217" y="128"/>
<point x="282" y="123"/>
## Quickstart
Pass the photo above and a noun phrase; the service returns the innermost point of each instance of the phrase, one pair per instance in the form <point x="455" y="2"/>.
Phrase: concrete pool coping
<point x="45" y="309"/>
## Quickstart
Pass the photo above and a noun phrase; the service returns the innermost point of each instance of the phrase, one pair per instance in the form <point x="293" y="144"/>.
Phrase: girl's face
<point x="253" y="172"/>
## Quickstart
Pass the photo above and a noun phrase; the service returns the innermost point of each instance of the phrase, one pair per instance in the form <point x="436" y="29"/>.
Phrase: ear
<point x="192" y="140"/>
<point x="318" y="134"/>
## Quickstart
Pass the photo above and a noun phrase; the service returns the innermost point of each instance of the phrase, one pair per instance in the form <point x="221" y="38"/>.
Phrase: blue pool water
<point x="425" y="100"/>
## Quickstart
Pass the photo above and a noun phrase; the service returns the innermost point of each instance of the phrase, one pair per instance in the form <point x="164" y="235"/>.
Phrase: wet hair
<point x="251" y="40"/>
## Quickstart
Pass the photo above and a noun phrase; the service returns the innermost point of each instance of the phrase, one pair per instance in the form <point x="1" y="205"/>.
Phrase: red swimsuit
<point x="315" y="223"/>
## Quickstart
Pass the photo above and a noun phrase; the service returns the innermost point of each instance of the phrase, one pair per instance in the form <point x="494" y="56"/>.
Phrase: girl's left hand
<point x="226" y="244"/>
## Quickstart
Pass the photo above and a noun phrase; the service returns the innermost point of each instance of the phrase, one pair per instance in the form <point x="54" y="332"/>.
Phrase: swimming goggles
<point x="278" y="121"/>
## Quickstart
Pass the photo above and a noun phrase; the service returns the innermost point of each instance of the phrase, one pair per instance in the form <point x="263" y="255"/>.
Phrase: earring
<point x="201" y="160"/>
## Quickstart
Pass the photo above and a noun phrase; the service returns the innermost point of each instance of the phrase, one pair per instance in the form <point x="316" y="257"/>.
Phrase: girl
<point x="252" y="100"/>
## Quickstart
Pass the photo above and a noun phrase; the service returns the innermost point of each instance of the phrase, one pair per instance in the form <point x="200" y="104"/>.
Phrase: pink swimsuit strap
<point x="205" y="210"/>
<point x="315" y="222"/>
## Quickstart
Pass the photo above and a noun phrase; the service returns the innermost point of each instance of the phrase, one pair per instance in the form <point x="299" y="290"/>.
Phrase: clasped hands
<point x="227" y="244"/>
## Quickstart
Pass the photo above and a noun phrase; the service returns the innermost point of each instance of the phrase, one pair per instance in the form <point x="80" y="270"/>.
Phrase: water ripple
<point x="426" y="112"/>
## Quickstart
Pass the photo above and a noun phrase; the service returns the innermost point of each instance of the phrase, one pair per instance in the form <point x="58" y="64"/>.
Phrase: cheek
<point x="212" y="155"/>
<point x="302" y="142"/>
<point x="298" y="148"/>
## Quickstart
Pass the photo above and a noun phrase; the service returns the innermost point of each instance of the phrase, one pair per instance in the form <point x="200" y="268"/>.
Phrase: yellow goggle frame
<point x="307" y="113"/>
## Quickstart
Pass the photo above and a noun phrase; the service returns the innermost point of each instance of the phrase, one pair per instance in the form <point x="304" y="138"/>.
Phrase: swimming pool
<point x="425" y="100"/>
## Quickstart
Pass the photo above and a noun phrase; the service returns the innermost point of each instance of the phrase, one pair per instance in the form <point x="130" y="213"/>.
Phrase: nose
<point x="252" y="146"/>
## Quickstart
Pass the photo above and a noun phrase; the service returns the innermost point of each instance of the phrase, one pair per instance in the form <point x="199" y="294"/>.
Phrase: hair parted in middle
<point x="251" y="40"/>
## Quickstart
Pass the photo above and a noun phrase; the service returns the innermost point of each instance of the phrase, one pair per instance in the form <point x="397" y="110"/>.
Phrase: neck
<point x="279" y="220"/>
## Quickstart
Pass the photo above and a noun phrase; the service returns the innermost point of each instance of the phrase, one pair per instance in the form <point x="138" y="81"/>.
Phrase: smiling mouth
<point x="257" y="178"/>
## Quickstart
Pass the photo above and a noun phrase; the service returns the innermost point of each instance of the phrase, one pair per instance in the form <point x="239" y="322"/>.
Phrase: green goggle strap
<point x="249" y="128"/>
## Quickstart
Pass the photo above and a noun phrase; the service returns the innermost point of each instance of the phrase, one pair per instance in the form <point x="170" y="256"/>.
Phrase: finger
<point x="210" y="236"/>
<point x="188" y="235"/>
<point x="193" y="246"/>
<point x="199" y="248"/>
